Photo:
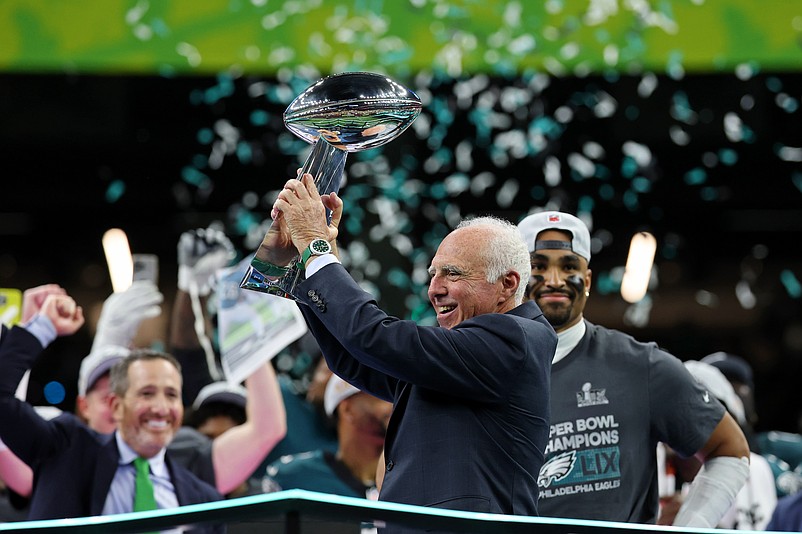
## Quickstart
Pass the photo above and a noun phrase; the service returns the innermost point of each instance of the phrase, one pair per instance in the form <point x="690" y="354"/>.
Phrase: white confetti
<point x="679" y="136"/>
<point x="135" y="14"/>
<point x="745" y="295"/>
<point x="551" y="171"/>
<point x="733" y="127"/>
<point x="639" y="152"/>
<point x="707" y="299"/>
<point x="647" y="85"/>
<point x="581" y="164"/>
<point x="789" y="153"/>
<point x="481" y="182"/>
<point x="593" y="150"/>
<point x="189" y="52"/>
<point x="507" y="193"/>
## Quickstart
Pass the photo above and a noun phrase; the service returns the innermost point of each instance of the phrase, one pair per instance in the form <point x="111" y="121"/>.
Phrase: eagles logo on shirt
<point x="556" y="469"/>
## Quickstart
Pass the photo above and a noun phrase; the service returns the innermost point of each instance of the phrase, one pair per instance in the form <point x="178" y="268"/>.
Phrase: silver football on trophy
<point x="339" y="114"/>
<point x="353" y="111"/>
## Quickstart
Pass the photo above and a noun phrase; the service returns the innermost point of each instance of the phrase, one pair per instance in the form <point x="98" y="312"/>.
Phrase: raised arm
<point x="23" y="431"/>
<point x="14" y="472"/>
<point x="201" y="252"/>
<point x="238" y="451"/>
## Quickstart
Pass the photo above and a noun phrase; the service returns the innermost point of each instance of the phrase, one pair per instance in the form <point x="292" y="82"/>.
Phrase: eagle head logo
<point x="556" y="469"/>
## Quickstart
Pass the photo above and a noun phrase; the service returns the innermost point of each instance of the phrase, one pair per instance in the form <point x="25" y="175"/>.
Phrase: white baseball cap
<point x="97" y="364"/>
<point x="533" y="224"/>
<point x="337" y="390"/>
<point x="221" y="391"/>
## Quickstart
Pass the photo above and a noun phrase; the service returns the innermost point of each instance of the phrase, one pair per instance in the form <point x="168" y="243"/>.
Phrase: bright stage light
<point x="118" y="258"/>
<point x="639" y="267"/>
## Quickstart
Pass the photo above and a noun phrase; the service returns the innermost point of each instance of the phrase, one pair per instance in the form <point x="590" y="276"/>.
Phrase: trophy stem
<point x="325" y="163"/>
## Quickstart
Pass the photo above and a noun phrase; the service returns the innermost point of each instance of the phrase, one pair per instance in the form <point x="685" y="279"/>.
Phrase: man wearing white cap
<point x="613" y="398"/>
<point x="219" y="406"/>
<point x="94" y="388"/>
<point x="361" y="422"/>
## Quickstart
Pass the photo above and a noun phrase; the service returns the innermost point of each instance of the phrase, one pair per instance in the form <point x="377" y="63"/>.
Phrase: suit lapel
<point x="107" y="463"/>
<point x="179" y="483"/>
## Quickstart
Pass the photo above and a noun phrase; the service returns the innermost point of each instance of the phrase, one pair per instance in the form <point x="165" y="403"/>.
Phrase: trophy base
<point x="325" y="163"/>
<point x="282" y="287"/>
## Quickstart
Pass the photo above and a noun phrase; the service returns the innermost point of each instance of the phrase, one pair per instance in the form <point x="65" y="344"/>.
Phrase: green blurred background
<point x="401" y="37"/>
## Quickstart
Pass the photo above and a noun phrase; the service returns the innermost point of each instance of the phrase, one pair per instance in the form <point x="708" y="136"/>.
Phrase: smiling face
<point x="559" y="283"/>
<point x="459" y="289"/>
<point x="150" y="411"/>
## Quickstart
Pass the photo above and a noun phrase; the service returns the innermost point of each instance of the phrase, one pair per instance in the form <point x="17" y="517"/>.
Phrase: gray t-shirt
<point x="612" y="399"/>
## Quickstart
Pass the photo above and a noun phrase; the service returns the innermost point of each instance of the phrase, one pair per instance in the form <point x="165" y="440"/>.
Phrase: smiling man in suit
<point x="470" y="397"/>
<point x="77" y="471"/>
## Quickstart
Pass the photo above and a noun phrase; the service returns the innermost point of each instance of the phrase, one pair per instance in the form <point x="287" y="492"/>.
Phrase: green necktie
<point x="143" y="487"/>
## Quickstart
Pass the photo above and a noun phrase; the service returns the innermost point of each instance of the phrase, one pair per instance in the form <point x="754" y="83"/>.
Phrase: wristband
<point x="268" y="269"/>
<point x="713" y="492"/>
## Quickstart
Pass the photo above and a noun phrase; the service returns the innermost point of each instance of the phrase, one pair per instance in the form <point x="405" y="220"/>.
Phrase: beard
<point x="560" y="314"/>
<point x="557" y="316"/>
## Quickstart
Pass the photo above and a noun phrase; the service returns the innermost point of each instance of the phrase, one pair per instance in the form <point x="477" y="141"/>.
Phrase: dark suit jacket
<point x="471" y="405"/>
<point x="73" y="465"/>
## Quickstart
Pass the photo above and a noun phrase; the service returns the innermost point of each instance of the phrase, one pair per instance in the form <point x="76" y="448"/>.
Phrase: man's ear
<point x="588" y="279"/>
<point x="509" y="284"/>
<point x="116" y="404"/>
<point x="344" y="410"/>
<point x="81" y="406"/>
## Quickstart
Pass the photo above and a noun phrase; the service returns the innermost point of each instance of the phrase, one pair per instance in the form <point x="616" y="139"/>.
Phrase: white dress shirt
<point x="120" y="499"/>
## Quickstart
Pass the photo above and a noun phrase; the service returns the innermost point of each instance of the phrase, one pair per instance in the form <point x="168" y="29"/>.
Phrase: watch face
<point x="320" y="246"/>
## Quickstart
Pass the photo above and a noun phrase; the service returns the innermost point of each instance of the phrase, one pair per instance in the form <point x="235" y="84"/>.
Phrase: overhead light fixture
<point x="118" y="258"/>
<point x="638" y="270"/>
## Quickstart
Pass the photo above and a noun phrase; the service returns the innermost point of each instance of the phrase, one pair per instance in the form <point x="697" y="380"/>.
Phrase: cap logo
<point x="552" y="218"/>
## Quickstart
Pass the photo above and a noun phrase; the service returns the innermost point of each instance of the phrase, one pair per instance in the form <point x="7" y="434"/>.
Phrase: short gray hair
<point x="505" y="252"/>
<point x="119" y="372"/>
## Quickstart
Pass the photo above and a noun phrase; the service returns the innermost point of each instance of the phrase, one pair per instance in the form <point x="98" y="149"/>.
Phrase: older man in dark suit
<point x="77" y="471"/>
<point x="471" y="398"/>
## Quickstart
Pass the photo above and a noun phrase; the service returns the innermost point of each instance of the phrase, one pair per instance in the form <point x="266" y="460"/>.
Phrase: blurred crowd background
<point x="679" y="118"/>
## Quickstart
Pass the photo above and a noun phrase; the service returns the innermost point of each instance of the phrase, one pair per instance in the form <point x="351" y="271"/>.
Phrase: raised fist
<point x="63" y="312"/>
